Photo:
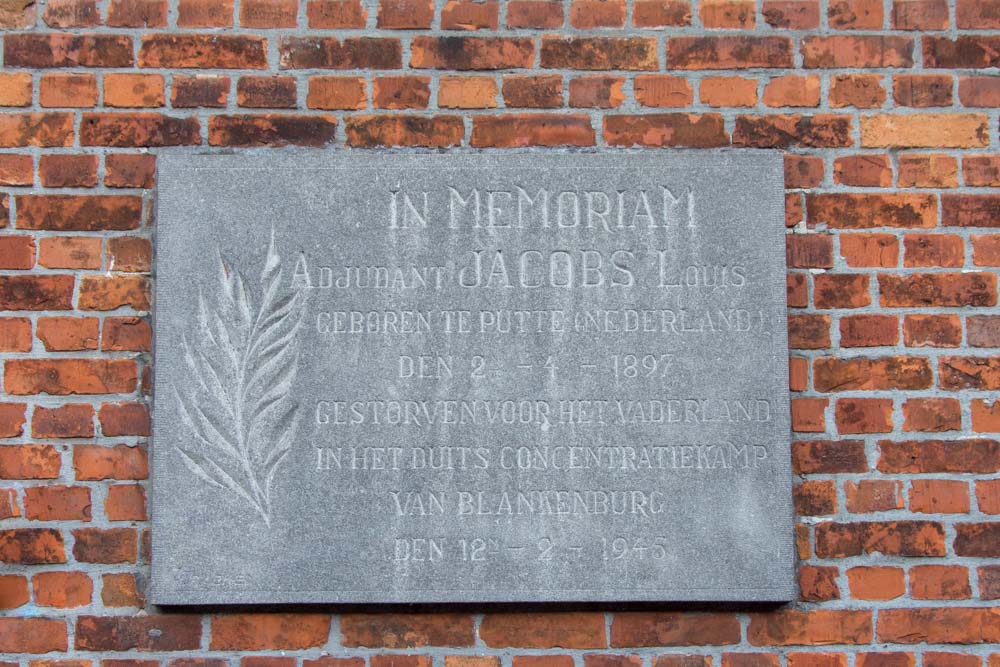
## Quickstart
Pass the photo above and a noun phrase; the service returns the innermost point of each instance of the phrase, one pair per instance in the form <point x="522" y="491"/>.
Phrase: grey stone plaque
<point x="471" y="378"/>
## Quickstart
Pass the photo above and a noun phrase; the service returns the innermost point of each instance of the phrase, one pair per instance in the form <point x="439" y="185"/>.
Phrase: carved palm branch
<point x="242" y="361"/>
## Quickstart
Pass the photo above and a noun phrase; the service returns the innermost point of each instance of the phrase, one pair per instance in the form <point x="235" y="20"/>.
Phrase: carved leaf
<point x="243" y="364"/>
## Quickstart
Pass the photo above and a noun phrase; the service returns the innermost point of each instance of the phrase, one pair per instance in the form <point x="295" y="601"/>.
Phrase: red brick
<point x="199" y="90"/>
<point x="863" y="249"/>
<point x="17" y="252"/>
<point x="728" y="14"/>
<point x="9" y="508"/>
<point x="405" y="14"/>
<point x="979" y="91"/>
<point x="568" y="630"/>
<point x="538" y="92"/>
<point x="666" y="129"/>
<point x="809" y="415"/>
<point x="404" y="130"/>
<point x="942" y="659"/>
<point x="936" y="456"/>
<point x="815" y="498"/>
<point x="953" y="625"/>
<point x="256" y="632"/>
<point x="594" y="91"/>
<point x="62" y="589"/>
<point x="932" y="414"/>
<point x="332" y="53"/>
<point x="137" y="13"/>
<point x="336" y="92"/>
<point x="924" y="130"/>
<point x="68" y="171"/>
<point x="470" y="15"/>
<point x="729" y="52"/>
<point x="672" y="660"/>
<point x="104" y="545"/>
<point x="859" y="211"/>
<point x="939" y="496"/>
<point x="28" y="461"/>
<point x="72" y="420"/>
<point x="988" y="495"/>
<point x="989" y="588"/>
<point x="589" y="14"/>
<point x="809" y="251"/>
<point x="127" y="130"/>
<point x="268" y="13"/>
<point x="14" y="592"/>
<point x="57" y="503"/>
<point x="36" y="292"/>
<point x="536" y="14"/>
<point x="861" y="51"/>
<point x="124" y="419"/>
<point x="977" y="14"/>
<point x="16" y="169"/>
<point x="202" y="51"/>
<point x="96" y="462"/>
<point x="31" y="546"/>
<point x="808" y="331"/>
<point x="43" y="50"/>
<point x="803" y="171"/>
<point x="932" y="331"/>
<point x="784" y="131"/>
<point x="126" y="333"/>
<point x="125" y="502"/>
<point x="728" y="91"/>
<point x="793" y="627"/>
<point x="15" y="336"/>
<point x="15" y="89"/>
<point x="70" y="252"/>
<point x="985" y="416"/>
<point x="750" y="660"/>
<point x="797" y="292"/>
<point x="792" y="90"/>
<point x="68" y="333"/>
<point x="811" y="457"/>
<point x="818" y="583"/>
<point x="512" y="130"/>
<point x="32" y="635"/>
<point x="922" y="90"/>
<point x="970" y="210"/>
<point x="266" y="92"/>
<point x="660" y="13"/>
<point x="928" y="171"/>
<point x="864" y="415"/>
<point x="113" y="292"/>
<point x="401" y="92"/>
<point x="986" y="249"/>
<point x="271" y="130"/>
<point x="791" y="14"/>
<point x="599" y="53"/>
<point x="663" y="90"/>
<point x="174" y="632"/>
<point x="921" y="250"/>
<point x="36" y="129"/>
<point x="876" y="583"/>
<point x="333" y="14"/>
<point x="133" y="90"/>
<point x="981" y="170"/>
<point x="966" y="51"/>
<point x="863" y="91"/>
<point x="674" y="629"/>
<point x="69" y="376"/>
<point x="863" y="170"/>
<point x="121" y="590"/>
<point x="979" y="540"/>
<point x="939" y="582"/>
<point x="840" y="290"/>
<point x="937" y="289"/>
<point x="868" y="330"/>
<point x="920" y="14"/>
<point x="889" y="538"/>
<point x="873" y="495"/>
<point x="855" y="15"/>
<point x="205" y="13"/>
<point x="868" y="374"/>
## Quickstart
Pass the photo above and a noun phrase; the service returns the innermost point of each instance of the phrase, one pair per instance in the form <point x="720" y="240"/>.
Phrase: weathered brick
<point x="271" y="130"/>
<point x="255" y="632"/>
<point x="511" y="130"/>
<point x="138" y="129"/>
<point x="728" y="52"/>
<point x="171" y="50"/>
<point x="175" y="632"/>
<point x="783" y="131"/>
<point x="43" y="50"/>
<point x="404" y="130"/>
<point x="599" y="53"/>
<point x="332" y="53"/>
<point x="666" y="129"/>
<point x="674" y="629"/>
<point x="567" y="630"/>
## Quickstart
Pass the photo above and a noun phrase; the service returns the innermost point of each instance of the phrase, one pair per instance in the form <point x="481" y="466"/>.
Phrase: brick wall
<point x="887" y="112"/>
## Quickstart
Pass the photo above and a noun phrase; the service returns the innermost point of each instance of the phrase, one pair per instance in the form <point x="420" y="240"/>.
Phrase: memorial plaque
<point x="471" y="378"/>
